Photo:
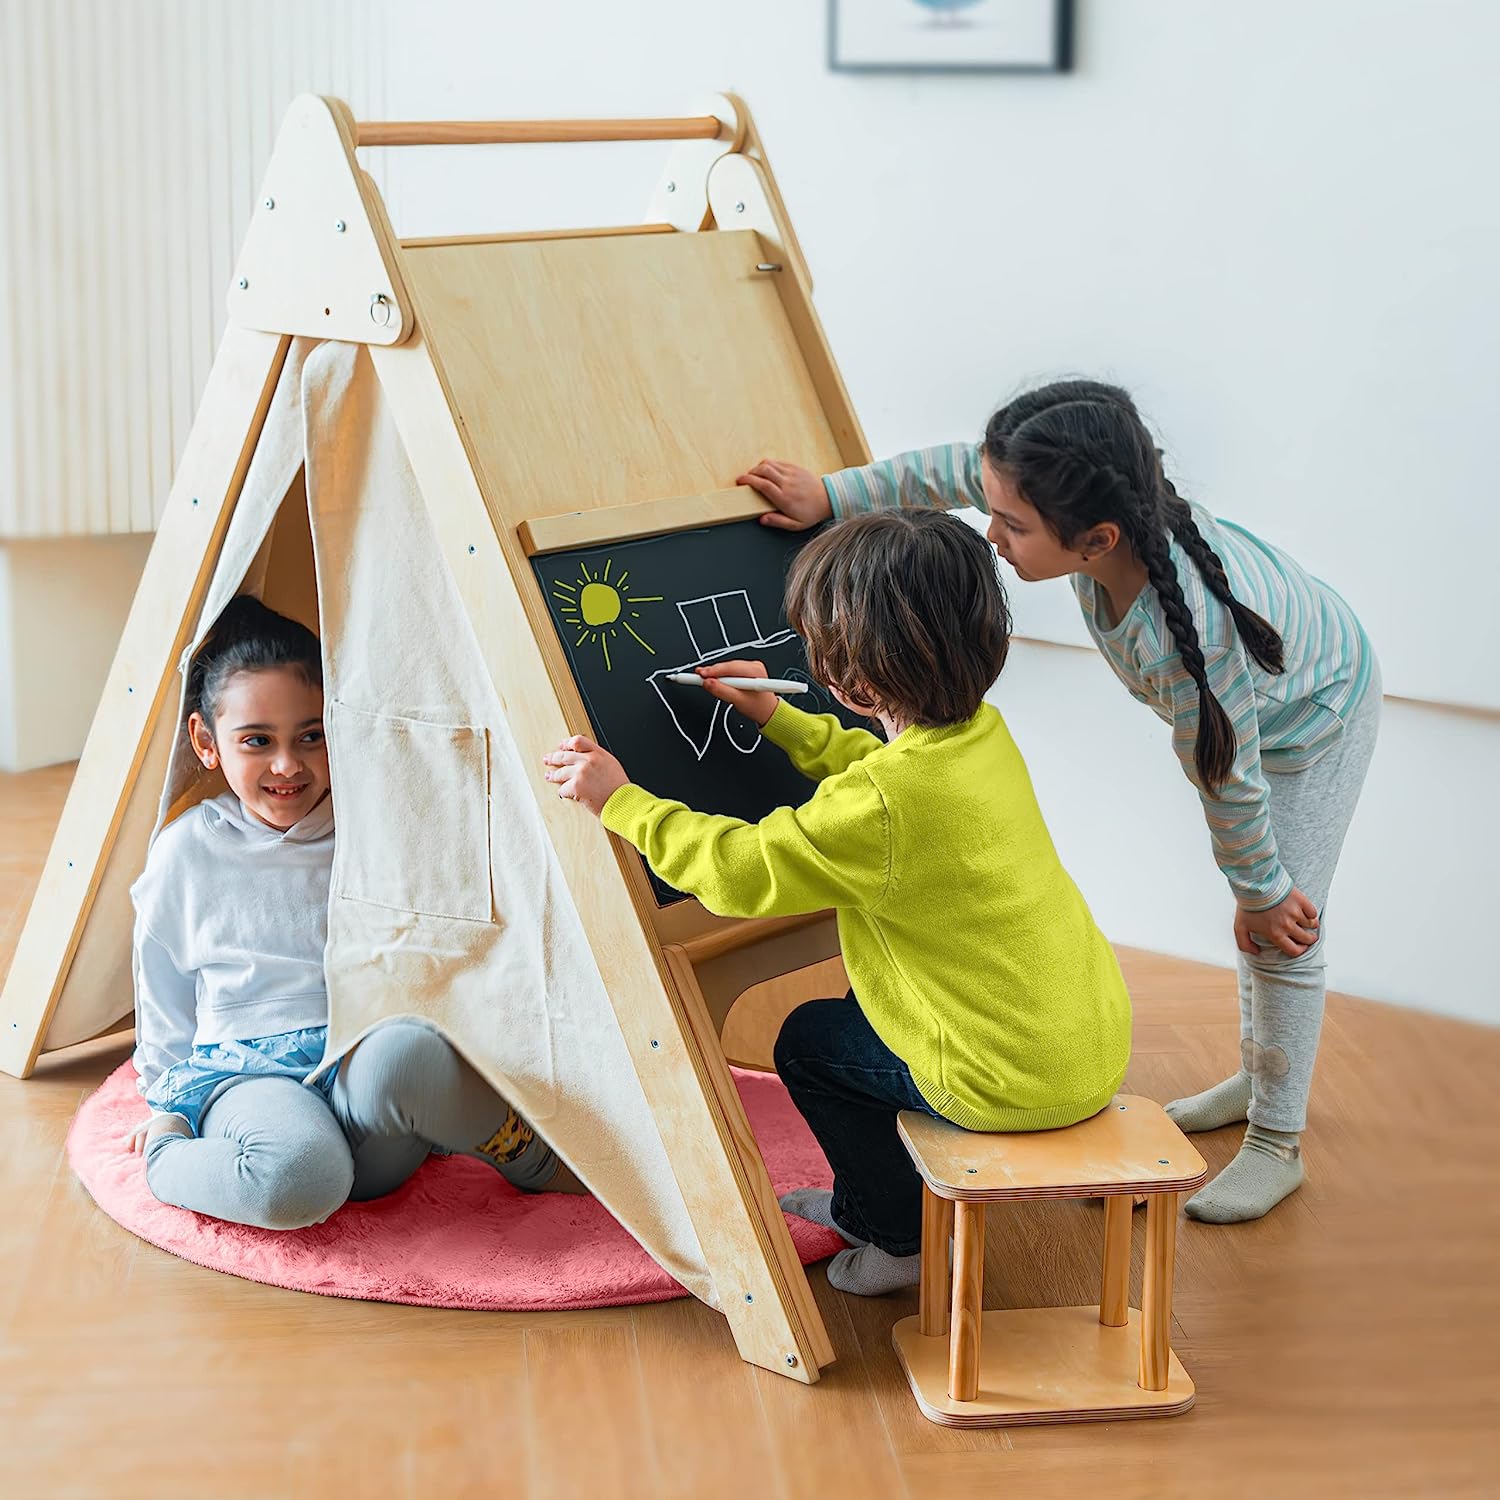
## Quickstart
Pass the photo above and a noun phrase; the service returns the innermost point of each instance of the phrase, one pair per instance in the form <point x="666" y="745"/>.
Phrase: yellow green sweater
<point x="967" y="944"/>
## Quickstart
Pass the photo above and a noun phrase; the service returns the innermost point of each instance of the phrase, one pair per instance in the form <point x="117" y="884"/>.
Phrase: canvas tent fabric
<point x="448" y="899"/>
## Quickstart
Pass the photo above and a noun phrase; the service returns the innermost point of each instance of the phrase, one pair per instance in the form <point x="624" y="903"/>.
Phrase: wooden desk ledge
<point x="718" y="941"/>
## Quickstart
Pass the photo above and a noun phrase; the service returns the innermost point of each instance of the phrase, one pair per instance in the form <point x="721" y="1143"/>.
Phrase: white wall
<point x="8" y="718"/>
<point x="1411" y="916"/>
<point x="132" y="141"/>
<point x="1268" y="220"/>
<point x="1274" y="222"/>
<point x="62" y="606"/>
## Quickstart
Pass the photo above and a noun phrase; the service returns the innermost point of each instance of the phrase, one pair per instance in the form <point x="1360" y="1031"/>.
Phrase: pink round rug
<point x="456" y="1235"/>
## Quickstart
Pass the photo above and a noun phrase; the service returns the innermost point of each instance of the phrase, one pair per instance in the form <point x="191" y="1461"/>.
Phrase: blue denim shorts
<point x="189" y="1087"/>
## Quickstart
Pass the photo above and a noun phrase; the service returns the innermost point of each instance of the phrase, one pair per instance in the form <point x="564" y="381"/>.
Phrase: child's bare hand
<point x="1292" y="926"/>
<point x="797" y="493"/>
<point x="142" y="1136"/>
<point x="584" y="773"/>
<point x="757" y="707"/>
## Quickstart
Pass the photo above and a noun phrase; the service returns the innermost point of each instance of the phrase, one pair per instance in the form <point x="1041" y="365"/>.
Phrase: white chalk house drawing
<point x="718" y="626"/>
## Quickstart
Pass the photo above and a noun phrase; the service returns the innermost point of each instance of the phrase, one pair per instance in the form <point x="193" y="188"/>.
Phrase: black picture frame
<point x="1062" y="50"/>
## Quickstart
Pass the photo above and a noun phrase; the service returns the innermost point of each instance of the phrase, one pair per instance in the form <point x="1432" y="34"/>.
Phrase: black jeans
<point x="849" y="1087"/>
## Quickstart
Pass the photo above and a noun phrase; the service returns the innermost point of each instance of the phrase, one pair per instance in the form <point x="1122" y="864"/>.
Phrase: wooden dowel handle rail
<point x="530" y="132"/>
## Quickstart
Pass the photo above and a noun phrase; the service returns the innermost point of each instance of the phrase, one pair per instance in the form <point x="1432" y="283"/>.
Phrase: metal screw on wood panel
<point x="70" y="864"/>
<point x="338" y="226"/>
<point x="1162" y="1161"/>
<point x="244" y="282"/>
<point x="971" y="1170"/>
<point x="748" y="1297"/>
<point x="671" y="187"/>
<point x="767" y="265"/>
<point x="1122" y="1109"/>
<point x="739" y="208"/>
<point x="471" y="549"/>
<point x="270" y="203"/>
<point x="195" y="499"/>
<point x="655" y="1045"/>
<point x="791" y="1360"/>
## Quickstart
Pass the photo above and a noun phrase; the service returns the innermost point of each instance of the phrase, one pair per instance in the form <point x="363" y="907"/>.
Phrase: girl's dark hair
<point x="248" y="637"/>
<point x="1080" y="454"/>
<point x="902" y="610"/>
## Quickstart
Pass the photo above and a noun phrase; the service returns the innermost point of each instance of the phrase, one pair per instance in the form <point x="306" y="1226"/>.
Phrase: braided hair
<point x="1081" y="455"/>
<point x="248" y="637"/>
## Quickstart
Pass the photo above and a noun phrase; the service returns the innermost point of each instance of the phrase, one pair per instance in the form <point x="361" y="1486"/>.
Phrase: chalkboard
<point x="628" y="613"/>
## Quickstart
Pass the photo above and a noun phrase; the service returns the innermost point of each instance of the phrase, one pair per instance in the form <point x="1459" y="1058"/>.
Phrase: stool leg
<point x="968" y="1300"/>
<point x="1114" y="1288"/>
<point x="1156" y="1292"/>
<point x="937" y="1230"/>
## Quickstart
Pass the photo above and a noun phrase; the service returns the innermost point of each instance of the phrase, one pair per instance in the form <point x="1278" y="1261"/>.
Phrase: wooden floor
<point x="1346" y="1345"/>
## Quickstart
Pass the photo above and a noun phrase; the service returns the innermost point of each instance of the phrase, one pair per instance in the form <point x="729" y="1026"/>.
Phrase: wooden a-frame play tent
<point x="522" y="392"/>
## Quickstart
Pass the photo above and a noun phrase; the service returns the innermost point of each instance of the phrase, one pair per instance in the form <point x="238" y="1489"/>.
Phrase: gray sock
<point x="1226" y="1103"/>
<point x="1267" y="1169"/>
<point x="870" y="1272"/>
<point x="816" y="1206"/>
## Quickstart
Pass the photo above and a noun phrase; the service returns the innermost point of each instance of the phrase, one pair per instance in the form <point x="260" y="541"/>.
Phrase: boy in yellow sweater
<point x="983" y="993"/>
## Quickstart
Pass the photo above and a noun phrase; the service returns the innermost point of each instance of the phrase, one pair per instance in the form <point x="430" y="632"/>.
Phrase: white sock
<point x="816" y="1206"/>
<point x="1226" y="1103"/>
<point x="870" y="1272"/>
<point x="1267" y="1169"/>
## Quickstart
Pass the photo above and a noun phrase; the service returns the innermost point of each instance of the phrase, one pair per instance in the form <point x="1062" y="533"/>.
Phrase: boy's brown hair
<point x="902" y="610"/>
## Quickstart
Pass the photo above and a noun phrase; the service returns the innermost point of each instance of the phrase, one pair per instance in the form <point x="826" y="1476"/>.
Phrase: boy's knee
<point x="799" y="1037"/>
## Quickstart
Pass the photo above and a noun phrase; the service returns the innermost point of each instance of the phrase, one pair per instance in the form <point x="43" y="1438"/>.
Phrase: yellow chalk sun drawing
<point x="597" y="608"/>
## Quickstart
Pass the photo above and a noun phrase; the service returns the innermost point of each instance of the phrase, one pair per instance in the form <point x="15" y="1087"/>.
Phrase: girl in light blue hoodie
<point x="231" y="1007"/>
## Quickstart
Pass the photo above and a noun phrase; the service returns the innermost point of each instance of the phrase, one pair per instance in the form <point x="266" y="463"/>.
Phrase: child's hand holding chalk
<point x="757" y="705"/>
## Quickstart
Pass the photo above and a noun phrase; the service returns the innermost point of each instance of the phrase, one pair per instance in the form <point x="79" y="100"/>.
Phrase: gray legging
<point x="273" y="1153"/>
<point x="1281" y="998"/>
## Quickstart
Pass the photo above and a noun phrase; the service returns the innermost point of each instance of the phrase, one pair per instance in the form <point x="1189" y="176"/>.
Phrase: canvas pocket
<point x="412" y="800"/>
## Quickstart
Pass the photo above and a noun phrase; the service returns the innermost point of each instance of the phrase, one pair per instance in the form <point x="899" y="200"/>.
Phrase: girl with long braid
<point x="1264" y="673"/>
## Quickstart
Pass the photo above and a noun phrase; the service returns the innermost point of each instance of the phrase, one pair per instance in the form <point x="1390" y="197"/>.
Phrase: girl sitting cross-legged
<point x="983" y="992"/>
<point x="231" y="1009"/>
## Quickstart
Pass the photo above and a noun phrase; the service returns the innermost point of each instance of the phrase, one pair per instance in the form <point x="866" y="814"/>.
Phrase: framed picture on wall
<point x="950" y="36"/>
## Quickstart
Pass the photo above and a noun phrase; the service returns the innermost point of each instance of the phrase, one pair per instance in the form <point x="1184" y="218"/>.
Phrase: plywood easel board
<point x="606" y="371"/>
<point x="629" y="613"/>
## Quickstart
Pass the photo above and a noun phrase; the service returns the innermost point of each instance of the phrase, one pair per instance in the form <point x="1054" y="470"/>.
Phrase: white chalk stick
<point x="749" y="684"/>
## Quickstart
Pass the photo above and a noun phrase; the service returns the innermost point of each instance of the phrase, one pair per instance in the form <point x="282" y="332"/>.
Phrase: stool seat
<point x="1130" y="1146"/>
<point x="971" y="1368"/>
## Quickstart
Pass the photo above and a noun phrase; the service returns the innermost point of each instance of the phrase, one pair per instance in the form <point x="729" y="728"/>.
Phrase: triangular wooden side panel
<point x="319" y="258"/>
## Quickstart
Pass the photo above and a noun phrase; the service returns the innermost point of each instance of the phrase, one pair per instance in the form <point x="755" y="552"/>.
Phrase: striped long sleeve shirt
<point x="1283" y="722"/>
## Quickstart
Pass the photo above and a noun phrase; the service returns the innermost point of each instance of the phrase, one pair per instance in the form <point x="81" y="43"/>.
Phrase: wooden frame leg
<point x="1156" y="1292"/>
<point x="937" y="1231"/>
<point x="968" y="1300"/>
<point x="1114" y="1284"/>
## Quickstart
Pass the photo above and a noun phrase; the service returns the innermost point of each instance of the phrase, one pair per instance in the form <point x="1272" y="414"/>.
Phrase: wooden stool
<point x="1048" y="1364"/>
